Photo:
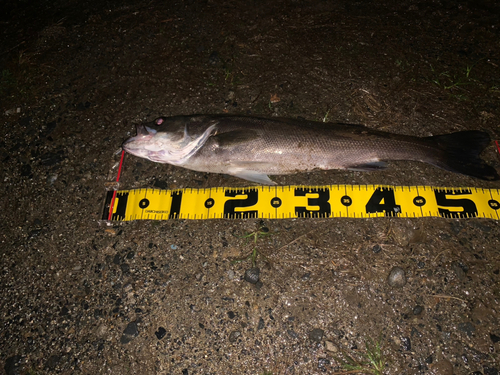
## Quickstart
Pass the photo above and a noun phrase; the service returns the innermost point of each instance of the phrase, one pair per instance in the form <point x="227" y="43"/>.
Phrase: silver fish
<point x="253" y="148"/>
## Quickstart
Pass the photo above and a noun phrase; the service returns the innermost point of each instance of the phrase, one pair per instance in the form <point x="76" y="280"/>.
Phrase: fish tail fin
<point x="461" y="151"/>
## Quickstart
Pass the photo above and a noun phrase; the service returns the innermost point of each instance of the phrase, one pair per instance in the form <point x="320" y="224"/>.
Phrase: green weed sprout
<point x="372" y="361"/>
<point x="261" y="232"/>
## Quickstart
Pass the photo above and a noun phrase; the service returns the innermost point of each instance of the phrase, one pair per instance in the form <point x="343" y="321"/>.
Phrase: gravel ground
<point x="79" y="296"/>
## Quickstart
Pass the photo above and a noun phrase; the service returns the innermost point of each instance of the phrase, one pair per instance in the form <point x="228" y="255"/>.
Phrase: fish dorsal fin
<point x="235" y="137"/>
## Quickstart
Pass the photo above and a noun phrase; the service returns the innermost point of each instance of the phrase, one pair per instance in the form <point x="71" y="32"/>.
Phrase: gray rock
<point x="316" y="334"/>
<point x="459" y="268"/>
<point x="406" y="343"/>
<point x="261" y="324"/>
<point x="233" y="336"/>
<point x="331" y="347"/>
<point x="417" y="310"/>
<point x="252" y="275"/>
<point x="129" y="333"/>
<point x="397" y="277"/>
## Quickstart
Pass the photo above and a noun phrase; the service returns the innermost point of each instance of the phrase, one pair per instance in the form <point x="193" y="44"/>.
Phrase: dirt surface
<point x="81" y="297"/>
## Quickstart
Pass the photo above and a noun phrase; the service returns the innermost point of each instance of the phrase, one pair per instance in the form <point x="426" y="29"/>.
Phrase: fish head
<point x="172" y="145"/>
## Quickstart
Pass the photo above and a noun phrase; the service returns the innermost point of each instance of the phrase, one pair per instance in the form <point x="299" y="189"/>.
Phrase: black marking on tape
<point x="144" y="203"/>
<point x="383" y="200"/>
<point x="276" y="202"/>
<point x="419" y="201"/>
<point x="209" y="203"/>
<point x="346" y="200"/>
<point x="324" y="207"/>
<point x="494" y="204"/>
<point x="252" y="197"/>
<point x="175" y="208"/>
<point x="467" y="206"/>
<point x="121" y="207"/>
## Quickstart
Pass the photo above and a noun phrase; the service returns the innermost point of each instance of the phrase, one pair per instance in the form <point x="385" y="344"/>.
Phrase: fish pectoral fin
<point x="366" y="167"/>
<point x="235" y="137"/>
<point x="260" y="178"/>
<point x="247" y="171"/>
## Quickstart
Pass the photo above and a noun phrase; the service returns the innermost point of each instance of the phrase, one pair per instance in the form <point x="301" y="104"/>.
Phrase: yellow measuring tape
<point x="284" y="202"/>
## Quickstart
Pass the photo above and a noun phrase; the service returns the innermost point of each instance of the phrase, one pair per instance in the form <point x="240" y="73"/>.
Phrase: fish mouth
<point x="135" y="145"/>
<point x="144" y="134"/>
<point x="141" y="132"/>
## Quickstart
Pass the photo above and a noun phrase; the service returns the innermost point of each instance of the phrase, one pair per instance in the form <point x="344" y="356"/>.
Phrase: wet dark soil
<point x="79" y="296"/>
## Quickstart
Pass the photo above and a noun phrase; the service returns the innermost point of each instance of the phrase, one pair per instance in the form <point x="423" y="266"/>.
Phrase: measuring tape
<point x="284" y="202"/>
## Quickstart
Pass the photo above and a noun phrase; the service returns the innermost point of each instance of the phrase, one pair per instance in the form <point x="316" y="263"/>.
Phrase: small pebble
<point x="125" y="267"/>
<point x="129" y="333"/>
<point x="52" y="178"/>
<point x="417" y="310"/>
<point x="214" y="58"/>
<point x="316" y="334"/>
<point x="252" y="275"/>
<point x="233" y="336"/>
<point x="160" y="333"/>
<point x="442" y="367"/>
<point x="261" y="324"/>
<point x="494" y="338"/>
<point x="459" y="268"/>
<point x="397" y="277"/>
<point x="331" y="347"/>
<point x="117" y="259"/>
<point x="322" y="362"/>
<point x="406" y="343"/>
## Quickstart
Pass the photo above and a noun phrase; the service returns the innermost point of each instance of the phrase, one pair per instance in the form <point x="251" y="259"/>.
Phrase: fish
<point x="253" y="148"/>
